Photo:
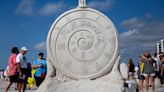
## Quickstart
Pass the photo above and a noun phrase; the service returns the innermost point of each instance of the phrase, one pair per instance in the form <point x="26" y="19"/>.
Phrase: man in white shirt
<point x="157" y="66"/>
<point x="22" y="69"/>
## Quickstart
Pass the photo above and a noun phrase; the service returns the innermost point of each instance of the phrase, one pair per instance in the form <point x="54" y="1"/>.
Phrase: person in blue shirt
<point x="41" y="69"/>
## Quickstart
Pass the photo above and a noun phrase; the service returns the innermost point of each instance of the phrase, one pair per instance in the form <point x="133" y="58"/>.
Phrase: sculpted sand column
<point x="82" y="3"/>
<point x="83" y="53"/>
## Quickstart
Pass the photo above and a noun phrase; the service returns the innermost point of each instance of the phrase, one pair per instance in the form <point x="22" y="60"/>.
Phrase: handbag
<point x="31" y="81"/>
<point x="43" y="75"/>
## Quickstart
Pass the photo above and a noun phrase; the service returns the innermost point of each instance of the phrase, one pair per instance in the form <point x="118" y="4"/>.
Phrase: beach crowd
<point x="25" y="74"/>
<point x="22" y="73"/>
<point x="149" y="68"/>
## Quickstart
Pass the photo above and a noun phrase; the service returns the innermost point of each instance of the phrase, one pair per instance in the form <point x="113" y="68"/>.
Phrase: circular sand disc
<point x="83" y="44"/>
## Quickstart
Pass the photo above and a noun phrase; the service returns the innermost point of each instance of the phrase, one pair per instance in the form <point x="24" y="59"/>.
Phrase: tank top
<point x="131" y="68"/>
<point x="148" y="66"/>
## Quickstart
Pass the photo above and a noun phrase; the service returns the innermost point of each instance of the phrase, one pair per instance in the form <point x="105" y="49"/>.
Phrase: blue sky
<point x="140" y="24"/>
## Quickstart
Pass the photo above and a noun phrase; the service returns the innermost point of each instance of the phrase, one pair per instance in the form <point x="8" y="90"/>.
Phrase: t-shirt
<point x="22" y="60"/>
<point x="42" y="69"/>
<point x="12" y="64"/>
<point x="157" y="63"/>
<point x="148" y="66"/>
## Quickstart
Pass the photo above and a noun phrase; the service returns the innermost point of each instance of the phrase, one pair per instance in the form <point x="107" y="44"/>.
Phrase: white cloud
<point x="40" y="46"/>
<point x="58" y="7"/>
<point x="53" y="8"/>
<point x="143" y="34"/>
<point x="129" y="33"/>
<point x="133" y="23"/>
<point x="101" y="4"/>
<point x="25" y="7"/>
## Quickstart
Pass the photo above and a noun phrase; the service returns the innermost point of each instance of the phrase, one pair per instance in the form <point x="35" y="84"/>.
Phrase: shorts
<point x="23" y="78"/>
<point x="131" y="74"/>
<point x="157" y="74"/>
<point x="13" y="78"/>
<point x="141" y="77"/>
<point x="150" y="74"/>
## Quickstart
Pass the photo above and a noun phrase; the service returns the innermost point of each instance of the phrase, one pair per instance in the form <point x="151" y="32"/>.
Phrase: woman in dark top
<point x="131" y="69"/>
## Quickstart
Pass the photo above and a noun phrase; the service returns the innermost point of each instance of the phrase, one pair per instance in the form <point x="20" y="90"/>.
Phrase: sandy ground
<point x="161" y="89"/>
<point x="3" y="85"/>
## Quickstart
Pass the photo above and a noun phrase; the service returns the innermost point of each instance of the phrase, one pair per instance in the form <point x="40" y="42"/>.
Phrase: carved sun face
<point x="83" y="44"/>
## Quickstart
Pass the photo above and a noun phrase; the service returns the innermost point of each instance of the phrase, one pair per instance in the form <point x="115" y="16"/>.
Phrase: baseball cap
<point x="24" y="48"/>
<point x="41" y="54"/>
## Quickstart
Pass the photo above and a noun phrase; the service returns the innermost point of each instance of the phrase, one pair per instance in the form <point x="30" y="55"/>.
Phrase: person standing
<point x="22" y="69"/>
<point x="131" y="69"/>
<point x="149" y="71"/>
<point x="41" y="69"/>
<point x="6" y="73"/>
<point x="140" y="74"/>
<point x="157" y="66"/>
<point x="12" y="71"/>
<point x="162" y="69"/>
<point x="29" y="70"/>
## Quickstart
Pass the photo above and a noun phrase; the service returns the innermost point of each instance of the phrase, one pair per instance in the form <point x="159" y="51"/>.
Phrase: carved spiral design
<point x="83" y="44"/>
